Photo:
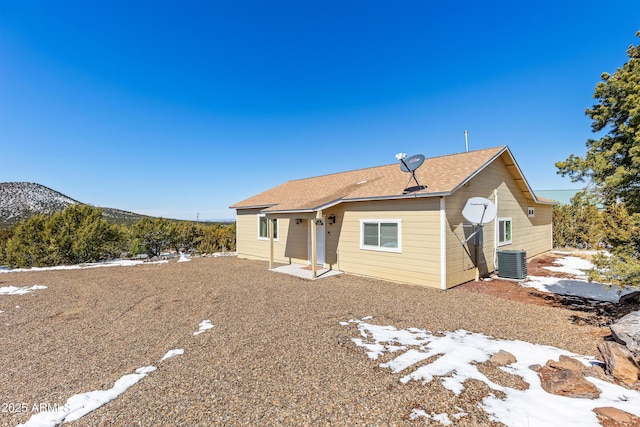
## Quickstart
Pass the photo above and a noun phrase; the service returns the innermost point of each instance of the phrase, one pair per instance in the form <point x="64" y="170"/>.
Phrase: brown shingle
<point x="441" y="175"/>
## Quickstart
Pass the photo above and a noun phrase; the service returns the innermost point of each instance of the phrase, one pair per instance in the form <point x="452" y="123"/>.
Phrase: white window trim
<point x="378" y="248"/>
<point x="531" y="212"/>
<point x="505" y="243"/>
<point x="275" y="239"/>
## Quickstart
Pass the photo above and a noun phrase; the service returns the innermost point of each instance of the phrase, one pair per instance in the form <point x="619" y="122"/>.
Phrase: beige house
<point x="363" y="222"/>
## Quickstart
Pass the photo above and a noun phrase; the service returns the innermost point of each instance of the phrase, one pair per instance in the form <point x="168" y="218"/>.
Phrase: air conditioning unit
<point x="512" y="264"/>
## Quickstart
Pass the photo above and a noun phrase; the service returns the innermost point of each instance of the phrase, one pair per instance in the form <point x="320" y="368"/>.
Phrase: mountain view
<point x="20" y="200"/>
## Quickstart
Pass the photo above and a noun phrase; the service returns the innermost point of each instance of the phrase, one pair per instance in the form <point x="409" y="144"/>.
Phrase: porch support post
<point x="271" y="223"/>
<point x="314" y="243"/>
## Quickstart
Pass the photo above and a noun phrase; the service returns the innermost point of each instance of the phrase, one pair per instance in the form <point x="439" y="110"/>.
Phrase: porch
<point x="315" y="223"/>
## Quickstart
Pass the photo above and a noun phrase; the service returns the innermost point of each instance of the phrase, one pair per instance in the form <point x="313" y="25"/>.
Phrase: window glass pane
<point x="370" y="234"/>
<point x="388" y="235"/>
<point x="264" y="227"/>
<point x="504" y="231"/>
<point x="275" y="229"/>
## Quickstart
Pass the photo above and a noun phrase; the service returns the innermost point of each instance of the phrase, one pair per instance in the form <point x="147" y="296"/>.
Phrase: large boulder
<point x="627" y="331"/>
<point x="619" y="362"/>
<point x="564" y="378"/>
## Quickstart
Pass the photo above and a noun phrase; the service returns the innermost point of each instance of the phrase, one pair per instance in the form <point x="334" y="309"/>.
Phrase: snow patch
<point x="204" y="325"/>
<point x="81" y="404"/>
<point x="572" y="265"/>
<point x="173" y="353"/>
<point x="578" y="286"/>
<point x="114" y="263"/>
<point x="442" y="418"/>
<point x="13" y="290"/>
<point x="455" y="356"/>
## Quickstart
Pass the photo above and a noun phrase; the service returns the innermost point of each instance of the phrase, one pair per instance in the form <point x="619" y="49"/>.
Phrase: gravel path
<point x="277" y="354"/>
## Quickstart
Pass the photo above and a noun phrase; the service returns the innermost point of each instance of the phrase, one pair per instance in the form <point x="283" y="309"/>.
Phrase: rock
<point x="566" y="362"/>
<point x="631" y="298"/>
<point x="609" y="416"/>
<point x="627" y="331"/>
<point x="502" y="358"/>
<point x="564" y="378"/>
<point x="596" y="371"/>
<point x="619" y="362"/>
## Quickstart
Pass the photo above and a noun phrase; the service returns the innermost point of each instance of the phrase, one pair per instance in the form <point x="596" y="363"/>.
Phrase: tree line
<point x="613" y="230"/>
<point x="81" y="234"/>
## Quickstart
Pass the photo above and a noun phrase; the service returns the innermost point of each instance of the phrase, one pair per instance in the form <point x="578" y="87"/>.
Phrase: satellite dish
<point x="412" y="163"/>
<point x="479" y="211"/>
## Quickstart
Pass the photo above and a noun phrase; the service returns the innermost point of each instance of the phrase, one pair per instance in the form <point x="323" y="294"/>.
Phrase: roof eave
<point x="263" y="206"/>
<point x="399" y="196"/>
<point x="288" y="211"/>
<point x="358" y="199"/>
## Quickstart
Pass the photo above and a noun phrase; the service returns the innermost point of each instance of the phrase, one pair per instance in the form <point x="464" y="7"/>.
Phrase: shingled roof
<point x="441" y="175"/>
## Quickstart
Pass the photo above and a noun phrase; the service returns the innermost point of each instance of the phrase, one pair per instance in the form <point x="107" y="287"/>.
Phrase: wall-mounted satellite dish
<point x="410" y="165"/>
<point x="479" y="211"/>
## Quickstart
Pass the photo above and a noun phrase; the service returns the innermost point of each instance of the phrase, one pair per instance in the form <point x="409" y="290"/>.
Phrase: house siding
<point x="419" y="259"/>
<point x="530" y="234"/>
<point x="291" y="246"/>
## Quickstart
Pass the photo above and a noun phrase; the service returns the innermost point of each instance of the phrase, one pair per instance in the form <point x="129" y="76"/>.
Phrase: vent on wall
<point x="512" y="264"/>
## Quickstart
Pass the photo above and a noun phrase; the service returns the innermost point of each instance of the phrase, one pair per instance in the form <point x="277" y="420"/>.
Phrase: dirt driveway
<point x="277" y="354"/>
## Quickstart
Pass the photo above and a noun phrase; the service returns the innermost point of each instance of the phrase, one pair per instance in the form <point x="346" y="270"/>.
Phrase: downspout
<point x="443" y="244"/>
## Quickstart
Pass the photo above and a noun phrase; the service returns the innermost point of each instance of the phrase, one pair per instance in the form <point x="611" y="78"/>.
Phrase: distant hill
<point x="21" y="200"/>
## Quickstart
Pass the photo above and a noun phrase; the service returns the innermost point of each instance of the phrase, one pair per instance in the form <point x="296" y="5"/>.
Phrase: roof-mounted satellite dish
<point x="410" y="165"/>
<point x="479" y="211"/>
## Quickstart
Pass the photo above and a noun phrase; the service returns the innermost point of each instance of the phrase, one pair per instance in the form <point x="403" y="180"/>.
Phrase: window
<point x="531" y="212"/>
<point x="263" y="228"/>
<point x="381" y="235"/>
<point x="504" y="231"/>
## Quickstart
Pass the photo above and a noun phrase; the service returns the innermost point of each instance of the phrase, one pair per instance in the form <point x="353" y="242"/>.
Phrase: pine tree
<point x="612" y="163"/>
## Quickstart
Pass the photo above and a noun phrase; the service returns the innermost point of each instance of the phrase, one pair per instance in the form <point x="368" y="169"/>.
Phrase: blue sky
<point x="177" y="109"/>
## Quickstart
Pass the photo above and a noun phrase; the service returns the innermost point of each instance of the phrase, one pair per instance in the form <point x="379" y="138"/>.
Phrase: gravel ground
<point x="277" y="354"/>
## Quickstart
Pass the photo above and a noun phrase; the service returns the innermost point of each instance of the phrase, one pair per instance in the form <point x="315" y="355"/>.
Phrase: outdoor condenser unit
<point x="512" y="264"/>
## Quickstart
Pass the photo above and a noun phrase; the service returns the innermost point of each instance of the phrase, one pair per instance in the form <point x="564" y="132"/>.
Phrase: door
<point x="320" y="241"/>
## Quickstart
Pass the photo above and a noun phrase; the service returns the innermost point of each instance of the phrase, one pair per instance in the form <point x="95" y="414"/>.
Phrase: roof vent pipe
<point x="466" y="140"/>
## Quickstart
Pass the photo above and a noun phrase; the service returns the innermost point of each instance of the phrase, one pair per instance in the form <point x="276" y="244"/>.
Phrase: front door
<point x="320" y="243"/>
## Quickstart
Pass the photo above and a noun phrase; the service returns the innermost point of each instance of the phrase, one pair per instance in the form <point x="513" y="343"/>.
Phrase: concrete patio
<point x="304" y="271"/>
